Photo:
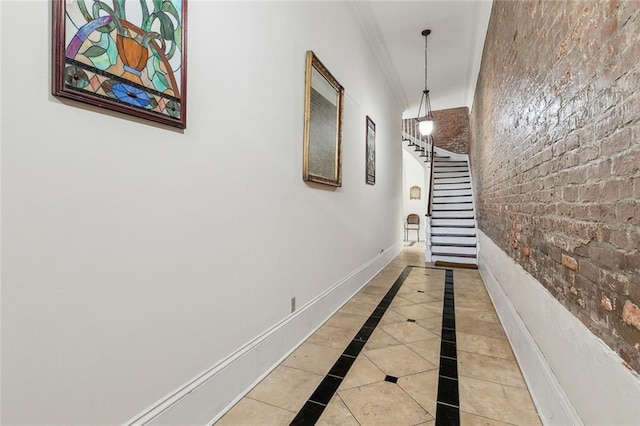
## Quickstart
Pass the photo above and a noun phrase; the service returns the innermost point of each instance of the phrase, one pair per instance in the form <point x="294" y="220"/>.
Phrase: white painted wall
<point x="414" y="175"/>
<point x="136" y="257"/>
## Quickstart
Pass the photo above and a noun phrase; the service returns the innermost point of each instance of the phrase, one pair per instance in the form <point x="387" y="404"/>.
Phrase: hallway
<point x="400" y="374"/>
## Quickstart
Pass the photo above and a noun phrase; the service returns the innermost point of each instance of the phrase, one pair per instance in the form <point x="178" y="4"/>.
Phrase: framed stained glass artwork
<point x="370" y="161"/>
<point x="124" y="55"/>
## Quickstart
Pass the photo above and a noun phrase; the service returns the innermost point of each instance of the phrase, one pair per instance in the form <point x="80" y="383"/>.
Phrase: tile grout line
<point x="319" y="399"/>
<point x="448" y="400"/>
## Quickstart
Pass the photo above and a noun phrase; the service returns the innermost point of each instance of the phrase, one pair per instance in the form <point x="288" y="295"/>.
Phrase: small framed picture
<point x="371" y="152"/>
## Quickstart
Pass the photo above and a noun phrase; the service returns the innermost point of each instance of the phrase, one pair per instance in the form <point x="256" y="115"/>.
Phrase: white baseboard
<point x="207" y="397"/>
<point x="573" y="376"/>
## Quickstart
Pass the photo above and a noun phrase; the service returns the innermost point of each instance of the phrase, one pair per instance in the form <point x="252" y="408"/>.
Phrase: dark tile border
<point x="313" y="408"/>
<point x="448" y="402"/>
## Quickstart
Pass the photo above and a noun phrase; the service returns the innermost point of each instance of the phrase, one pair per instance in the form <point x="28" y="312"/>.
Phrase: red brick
<point x="604" y="213"/>
<point x="620" y="238"/>
<point x="616" y="143"/>
<point x="631" y="314"/>
<point x="588" y="270"/>
<point x="632" y="262"/>
<point x="634" y="291"/>
<point x="599" y="171"/>
<point x="606" y="303"/>
<point x="628" y="212"/>
<point x="616" y="282"/>
<point x="627" y="164"/>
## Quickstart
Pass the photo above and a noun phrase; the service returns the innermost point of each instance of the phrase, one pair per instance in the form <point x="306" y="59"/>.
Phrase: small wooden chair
<point x="412" y="224"/>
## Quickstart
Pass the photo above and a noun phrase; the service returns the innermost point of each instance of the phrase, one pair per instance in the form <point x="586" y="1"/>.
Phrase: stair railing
<point x="427" y="228"/>
<point x="411" y="135"/>
<point x="425" y="145"/>
<point x="431" y="156"/>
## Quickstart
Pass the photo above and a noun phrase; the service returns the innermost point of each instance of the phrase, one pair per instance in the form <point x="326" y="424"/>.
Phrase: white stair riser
<point x="453" y="206"/>
<point x="467" y="232"/>
<point x="442" y="169"/>
<point x="444" y="201"/>
<point x="453" y="235"/>
<point x="437" y="186"/>
<point x="449" y="250"/>
<point x="439" y="240"/>
<point x="437" y="162"/>
<point x="455" y="259"/>
<point x="451" y="192"/>
<point x="464" y="214"/>
<point x="453" y="222"/>
<point x="437" y="176"/>
<point x="437" y="181"/>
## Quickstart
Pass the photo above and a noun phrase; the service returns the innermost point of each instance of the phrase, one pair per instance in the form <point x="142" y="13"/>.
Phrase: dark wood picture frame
<point x="125" y="56"/>
<point x="370" y="152"/>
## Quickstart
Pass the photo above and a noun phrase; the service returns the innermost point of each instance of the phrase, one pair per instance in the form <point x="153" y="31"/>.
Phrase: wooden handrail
<point x="431" y="155"/>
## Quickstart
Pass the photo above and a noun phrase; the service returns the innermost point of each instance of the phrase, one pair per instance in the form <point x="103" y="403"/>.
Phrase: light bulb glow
<point x="425" y="127"/>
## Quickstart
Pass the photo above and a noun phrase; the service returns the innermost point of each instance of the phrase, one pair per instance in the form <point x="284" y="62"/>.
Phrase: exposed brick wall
<point x="451" y="129"/>
<point x="555" y="155"/>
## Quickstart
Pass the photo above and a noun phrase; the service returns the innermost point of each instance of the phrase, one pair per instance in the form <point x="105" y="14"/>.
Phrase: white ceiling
<point x="458" y="29"/>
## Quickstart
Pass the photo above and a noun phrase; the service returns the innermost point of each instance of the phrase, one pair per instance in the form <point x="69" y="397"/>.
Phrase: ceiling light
<point x="425" y="122"/>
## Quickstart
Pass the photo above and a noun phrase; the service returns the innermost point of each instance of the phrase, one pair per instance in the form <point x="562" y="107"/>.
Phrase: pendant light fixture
<point x="425" y="122"/>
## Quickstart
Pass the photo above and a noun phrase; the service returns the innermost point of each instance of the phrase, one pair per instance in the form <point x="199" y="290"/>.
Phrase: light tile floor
<point x="492" y="390"/>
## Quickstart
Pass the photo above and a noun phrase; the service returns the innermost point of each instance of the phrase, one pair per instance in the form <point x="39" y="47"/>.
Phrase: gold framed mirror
<point x="323" y="109"/>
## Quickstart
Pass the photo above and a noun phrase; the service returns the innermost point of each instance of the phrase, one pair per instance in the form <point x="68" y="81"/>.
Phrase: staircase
<point x="453" y="225"/>
<point x="450" y="219"/>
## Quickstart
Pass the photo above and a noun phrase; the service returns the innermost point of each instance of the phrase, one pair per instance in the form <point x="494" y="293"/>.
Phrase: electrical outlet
<point x="293" y="304"/>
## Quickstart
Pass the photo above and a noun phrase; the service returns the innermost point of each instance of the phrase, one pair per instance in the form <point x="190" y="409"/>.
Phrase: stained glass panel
<point x="125" y="55"/>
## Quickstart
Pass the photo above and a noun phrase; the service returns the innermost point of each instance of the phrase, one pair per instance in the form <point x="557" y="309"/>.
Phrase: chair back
<point x="413" y="219"/>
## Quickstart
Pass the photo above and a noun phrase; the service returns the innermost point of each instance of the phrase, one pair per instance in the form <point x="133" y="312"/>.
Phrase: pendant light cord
<point x="425" y="63"/>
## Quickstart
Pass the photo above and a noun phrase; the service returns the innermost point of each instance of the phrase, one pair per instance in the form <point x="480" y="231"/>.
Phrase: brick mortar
<point x="555" y="151"/>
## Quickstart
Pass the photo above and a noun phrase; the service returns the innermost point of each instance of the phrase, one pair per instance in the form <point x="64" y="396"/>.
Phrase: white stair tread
<point x="451" y="192"/>
<point x="442" y="240"/>
<point x="455" y="259"/>
<point x="443" y="230"/>
<point x="438" y="175"/>
<point x="459" y="214"/>
<point x="453" y="250"/>
<point x="452" y="206"/>
<point x="438" y="180"/>
<point x="439" y="186"/>
<point x="453" y="234"/>
<point x="451" y="200"/>
<point x="453" y="222"/>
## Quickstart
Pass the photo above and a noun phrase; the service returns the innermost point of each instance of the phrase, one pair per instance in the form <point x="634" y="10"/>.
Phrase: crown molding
<point x="363" y="13"/>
